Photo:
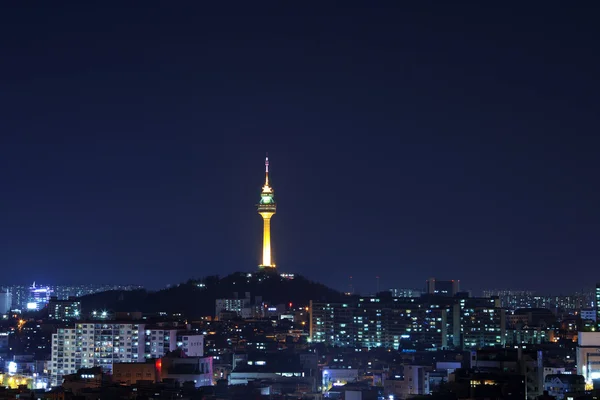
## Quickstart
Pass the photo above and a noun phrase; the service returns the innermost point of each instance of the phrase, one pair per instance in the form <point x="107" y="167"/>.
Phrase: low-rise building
<point x="281" y="369"/>
<point x="191" y="344"/>
<point x="336" y="377"/>
<point x="132" y="373"/>
<point x="416" y="380"/>
<point x="176" y="366"/>
<point x="558" y="385"/>
<point x="85" y="378"/>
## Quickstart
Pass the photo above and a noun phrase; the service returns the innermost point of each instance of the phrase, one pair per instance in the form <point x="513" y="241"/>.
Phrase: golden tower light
<point x="267" y="208"/>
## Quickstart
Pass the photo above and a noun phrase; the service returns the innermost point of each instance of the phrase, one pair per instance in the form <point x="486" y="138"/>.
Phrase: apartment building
<point x="102" y="344"/>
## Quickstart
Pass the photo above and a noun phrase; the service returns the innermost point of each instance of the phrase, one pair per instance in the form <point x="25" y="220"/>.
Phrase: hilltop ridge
<point x="196" y="297"/>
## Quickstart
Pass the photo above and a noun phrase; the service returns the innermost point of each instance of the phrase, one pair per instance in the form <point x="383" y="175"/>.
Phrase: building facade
<point x="482" y="322"/>
<point x="372" y="323"/>
<point x="226" y="308"/>
<point x="426" y="323"/>
<point x="191" y="344"/>
<point x="64" y="310"/>
<point x="406" y="292"/>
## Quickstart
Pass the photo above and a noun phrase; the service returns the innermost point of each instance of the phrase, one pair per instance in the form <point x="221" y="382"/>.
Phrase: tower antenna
<point x="350" y="285"/>
<point x="267" y="170"/>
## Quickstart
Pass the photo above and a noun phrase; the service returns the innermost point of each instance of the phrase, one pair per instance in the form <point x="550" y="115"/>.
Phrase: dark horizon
<point x="406" y="142"/>
<point x="476" y="292"/>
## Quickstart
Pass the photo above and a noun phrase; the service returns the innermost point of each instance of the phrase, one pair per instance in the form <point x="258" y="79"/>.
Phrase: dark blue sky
<point x="439" y="140"/>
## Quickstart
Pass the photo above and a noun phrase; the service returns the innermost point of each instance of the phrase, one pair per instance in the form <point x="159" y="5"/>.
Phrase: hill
<point x="196" y="298"/>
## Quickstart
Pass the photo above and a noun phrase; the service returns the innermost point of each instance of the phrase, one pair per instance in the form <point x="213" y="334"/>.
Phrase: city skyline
<point x="407" y="146"/>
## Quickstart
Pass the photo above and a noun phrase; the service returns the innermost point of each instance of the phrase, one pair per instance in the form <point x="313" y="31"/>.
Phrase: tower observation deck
<point x="267" y="208"/>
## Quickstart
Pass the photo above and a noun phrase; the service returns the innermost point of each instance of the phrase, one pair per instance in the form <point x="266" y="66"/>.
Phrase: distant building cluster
<point x="35" y="297"/>
<point x="429" y="322"/>
<point x="515" y="299"/>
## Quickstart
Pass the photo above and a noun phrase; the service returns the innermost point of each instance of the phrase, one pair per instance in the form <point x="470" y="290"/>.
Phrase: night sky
<point x="441" y="140"/>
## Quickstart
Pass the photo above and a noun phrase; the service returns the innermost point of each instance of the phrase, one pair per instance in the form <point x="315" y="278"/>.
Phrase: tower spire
<point x="267" y="170"/>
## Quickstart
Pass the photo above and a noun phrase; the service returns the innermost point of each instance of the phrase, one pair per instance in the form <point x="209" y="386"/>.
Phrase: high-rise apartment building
<point x="102" y="344"/>
<point x="68" y="354"/>
<point x="427" y="323"/>
<point x="482" y="322"/>
<point x="371" y="323"/>
<point x="94" y="344"/>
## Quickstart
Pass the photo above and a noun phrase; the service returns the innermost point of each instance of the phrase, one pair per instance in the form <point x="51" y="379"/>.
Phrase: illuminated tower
<point x="266" y="209"/>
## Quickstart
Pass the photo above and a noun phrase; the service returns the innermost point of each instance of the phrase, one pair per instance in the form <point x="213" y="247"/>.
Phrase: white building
<point x="66" y="357"/>
<point x="102" y="344"/>
<point x="94" y="344"/>
<point x="588" y="355"/>
<point x="332" y="377"/>
<point x="191" y="344"/>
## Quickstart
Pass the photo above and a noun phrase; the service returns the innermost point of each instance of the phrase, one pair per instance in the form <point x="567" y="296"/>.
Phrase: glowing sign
<point x="32" y="306"/>
<point x="12" y="368"/>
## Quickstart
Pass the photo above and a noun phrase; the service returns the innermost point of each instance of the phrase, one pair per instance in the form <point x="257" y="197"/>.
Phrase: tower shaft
<point x="266" y="258"/>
